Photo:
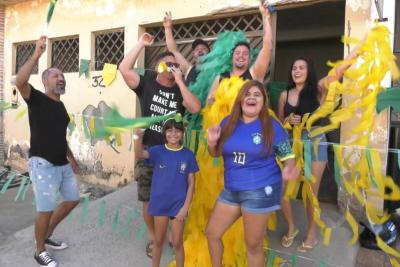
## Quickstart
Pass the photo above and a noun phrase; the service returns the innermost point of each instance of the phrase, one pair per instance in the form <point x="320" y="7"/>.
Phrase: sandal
<point x="287" y="240"/>
<point x="305" y="248"/>
<point x="149" y="249"/>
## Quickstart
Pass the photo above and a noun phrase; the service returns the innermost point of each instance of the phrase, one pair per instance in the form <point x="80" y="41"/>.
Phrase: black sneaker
<point x="44" y="259"/>
<point x="54" y="244"/>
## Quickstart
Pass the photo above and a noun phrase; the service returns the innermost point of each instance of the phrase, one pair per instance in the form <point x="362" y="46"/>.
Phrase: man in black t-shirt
<point x="162" y="95"/>
<point x="51" y="162"/>
<point x="199" y="49"/>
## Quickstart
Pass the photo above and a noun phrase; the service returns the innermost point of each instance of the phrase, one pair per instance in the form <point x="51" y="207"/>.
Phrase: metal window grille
<point x="65" y="54"/>
<point x="23" y="53"/>
<point x="185" y="33"/>
<point x="109" y="48"/>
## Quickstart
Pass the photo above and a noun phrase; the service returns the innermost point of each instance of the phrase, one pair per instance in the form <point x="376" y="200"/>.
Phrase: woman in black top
<point x="305" y="95"/>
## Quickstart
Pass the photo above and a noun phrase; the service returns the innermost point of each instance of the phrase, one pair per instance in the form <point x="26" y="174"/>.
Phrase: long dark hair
<point x="308" y="98"/>
<point x="236" y="114"/>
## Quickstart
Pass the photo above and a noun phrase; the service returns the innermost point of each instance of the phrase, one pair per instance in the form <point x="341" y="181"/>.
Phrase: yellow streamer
<point x="109" y="73"/>
<point x="387" y="249"/>
<point x="21" y="114"/>
<point x="327" y="236"/>
<point x="354" y="227"/>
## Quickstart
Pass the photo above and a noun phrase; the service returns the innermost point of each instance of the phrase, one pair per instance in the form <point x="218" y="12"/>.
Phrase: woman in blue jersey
<point x="304" y="95"/>
<point x="172" y="187"/>
<point x="249" y="140"/>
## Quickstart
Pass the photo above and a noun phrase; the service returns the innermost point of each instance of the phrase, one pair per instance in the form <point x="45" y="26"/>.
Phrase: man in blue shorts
<point x="51" y="162"/>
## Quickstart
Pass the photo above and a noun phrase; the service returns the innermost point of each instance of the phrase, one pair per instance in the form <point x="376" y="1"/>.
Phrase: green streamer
<point x="370" y="166"/>
<point x="113" y="123"/>
<point x="142" y="232"/>
<point x="271" y="257"/>
<point x="21" y="188"/>
<point x="115" y="220"/>
<point x="336" y="167"/>
<point x="307" y="159"/>
<point x="50" y="11"/>
<point x="102" y="213"/>
<point x="86" y="130"/>
<point x="8" y="182"/>
<point x="388" y="98"/>
<point x="70" y="215"/>
<point x="398" y="158"/>
<point x="85" y="207"/>
<point x="295" y="259"/>
<point x="84" y="67"/>
<point x="131" y="216"/>
<point x="216" y="162"/>
<point x="139" y="71"/>
<point x="28" y="185"/>
<point x="322" y="263"/>
<point x="6" y="105"/>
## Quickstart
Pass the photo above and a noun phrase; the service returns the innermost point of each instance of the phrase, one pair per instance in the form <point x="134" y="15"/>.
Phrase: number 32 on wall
<point x="98" y="81"/>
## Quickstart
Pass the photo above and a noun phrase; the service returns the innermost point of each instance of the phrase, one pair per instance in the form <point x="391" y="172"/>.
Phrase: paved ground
<point x="108" y="245"/>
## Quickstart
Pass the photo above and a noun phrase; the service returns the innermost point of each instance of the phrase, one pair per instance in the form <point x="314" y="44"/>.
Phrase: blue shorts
<point x="262" y="200"/>
<point x="48" y="179"/>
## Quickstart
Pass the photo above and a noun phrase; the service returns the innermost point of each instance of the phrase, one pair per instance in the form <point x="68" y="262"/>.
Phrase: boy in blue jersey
<point x="172" y="187"/>
<point x="249" y="141"/>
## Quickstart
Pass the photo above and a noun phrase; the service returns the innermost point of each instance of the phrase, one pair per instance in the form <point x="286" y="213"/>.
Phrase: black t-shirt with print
<point x="155" y="100"/>
<point x="48" y="121"/>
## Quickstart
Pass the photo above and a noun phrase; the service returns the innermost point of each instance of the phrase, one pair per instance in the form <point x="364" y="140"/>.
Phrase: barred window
<point x="109" y="47"/>
<point x="65" y="54"/>
<point x="22" y="53"/>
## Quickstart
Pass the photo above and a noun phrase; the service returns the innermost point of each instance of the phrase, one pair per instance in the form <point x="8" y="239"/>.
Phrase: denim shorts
<point x="48" y="179"/>
<point x="262" y="200"/>
<point x="322" y="146"/>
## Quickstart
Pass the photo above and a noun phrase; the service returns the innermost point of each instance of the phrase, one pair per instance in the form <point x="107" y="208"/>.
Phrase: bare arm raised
<point x="21" y="81"/>
<point x="260" y="66"/>
<point x="125" y="68"/>
<point x="171" y="45"/>
<point x="190" y="101"/>
<point x="323" y="84"/>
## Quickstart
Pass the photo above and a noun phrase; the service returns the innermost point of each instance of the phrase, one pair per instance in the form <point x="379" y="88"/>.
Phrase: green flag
<point x="84" y="67"/>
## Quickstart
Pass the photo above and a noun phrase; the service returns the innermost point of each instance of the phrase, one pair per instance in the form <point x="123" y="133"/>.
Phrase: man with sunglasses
<point x="199" y="49"/>
<point x="161" y="95"/>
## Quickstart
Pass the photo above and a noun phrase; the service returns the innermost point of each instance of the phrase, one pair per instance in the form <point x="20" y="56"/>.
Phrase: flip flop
<point x="305" y="248"/>
<point x="149" y="249"/>
<point x="287" y="240"/>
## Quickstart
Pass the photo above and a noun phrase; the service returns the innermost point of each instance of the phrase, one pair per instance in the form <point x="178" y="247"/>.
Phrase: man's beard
<point x="59" y="90"/>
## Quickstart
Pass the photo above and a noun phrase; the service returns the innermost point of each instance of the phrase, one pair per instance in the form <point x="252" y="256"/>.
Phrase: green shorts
<point x="143" y="175"/>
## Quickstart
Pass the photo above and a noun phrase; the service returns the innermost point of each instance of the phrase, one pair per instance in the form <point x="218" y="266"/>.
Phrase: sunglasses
<point x="172" y="64"/>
